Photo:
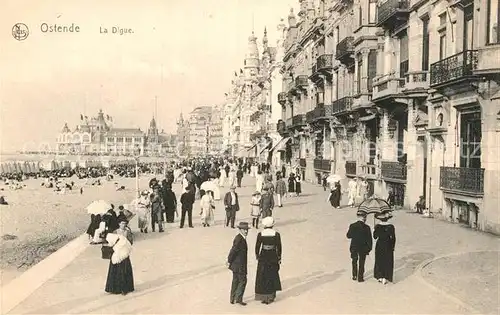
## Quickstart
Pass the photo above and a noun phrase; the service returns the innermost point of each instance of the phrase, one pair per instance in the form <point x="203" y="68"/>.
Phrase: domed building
<point x="97" y="136"/>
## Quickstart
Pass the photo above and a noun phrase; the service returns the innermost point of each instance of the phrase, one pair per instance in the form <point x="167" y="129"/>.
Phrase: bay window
<point x="493" y="20"/>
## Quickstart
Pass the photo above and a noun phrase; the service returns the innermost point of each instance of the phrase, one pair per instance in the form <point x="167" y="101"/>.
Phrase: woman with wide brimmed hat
<point x="385" y="235"/>
<point x="120" y="278"/>
<point x="207" y="206"/>
<point x="142" y="207"/>
<point x="268" y="254"/>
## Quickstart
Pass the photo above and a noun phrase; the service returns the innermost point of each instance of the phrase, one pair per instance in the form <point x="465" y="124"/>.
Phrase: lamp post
<point x="137" y="154"/>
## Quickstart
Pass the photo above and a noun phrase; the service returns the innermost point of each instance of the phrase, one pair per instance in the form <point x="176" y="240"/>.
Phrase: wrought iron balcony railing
<point x="298" y="120"/>
<point x="324" y="62"/>
<point x="345" y="50"/>
<point x="351" y="168"/>
<point x="301" y="81"/>
<point x="315" y="114"/>
<point x="281" y="126"/>
<point x="393" y="170"/>
<point x="393" y="13"/>
<point x="322" y="165"/>
<point x="342" y="105"/>
<point x="454" y="68"/>
<point x="463" y="180"/>
<point x="302" y="162"/>
<point x="282" y="98"/>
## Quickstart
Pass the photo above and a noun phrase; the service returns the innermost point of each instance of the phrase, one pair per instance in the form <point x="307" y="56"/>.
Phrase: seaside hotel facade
<point x="402" y="93"/>
<point x="97" y="136"/>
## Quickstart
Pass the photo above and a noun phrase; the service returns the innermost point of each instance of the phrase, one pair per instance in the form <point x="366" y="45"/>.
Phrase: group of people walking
<point x="361" y="245"/>
<point x="268" y="251"/>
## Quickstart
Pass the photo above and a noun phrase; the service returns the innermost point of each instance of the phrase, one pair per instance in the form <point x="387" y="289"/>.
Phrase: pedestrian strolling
<point x="207" y="206"/>
<point x="120" y="278"/>
<point x="280" y="190"/>
<point x="268" y="254"/>
<point x="255" y="209"/>
<point x="291" y="184"/>
<point x="170" y="202"/>
<point x="157" y="209"/>
<point x="187" y="201"/>
<point x="266" y="203"/>
<point x="142" y="209"/>
<point x="353" y="189"/>
<point x="298" y="185"/>
<point x="361" y="244"/>
<point x="335" y="195"/>
<point x="239" y="177"/>
<point x="237" y="262"/>
<point x="385" y="235"/>
<point x="231" y="205"/>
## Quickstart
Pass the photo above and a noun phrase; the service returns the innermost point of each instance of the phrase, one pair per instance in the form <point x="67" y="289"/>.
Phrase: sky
<point x="183" y="52"/>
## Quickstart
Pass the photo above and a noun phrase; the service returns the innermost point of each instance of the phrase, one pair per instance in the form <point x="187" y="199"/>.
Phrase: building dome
<point x="66" y="128"/>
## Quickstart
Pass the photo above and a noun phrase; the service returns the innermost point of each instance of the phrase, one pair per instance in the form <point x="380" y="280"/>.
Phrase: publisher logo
<point x="20" y="31"/>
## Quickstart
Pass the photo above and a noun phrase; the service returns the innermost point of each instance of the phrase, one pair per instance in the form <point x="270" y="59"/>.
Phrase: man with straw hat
<point x="237" y="262"/>
<point x="232" y="205"/>
<point x="361" y="244"/>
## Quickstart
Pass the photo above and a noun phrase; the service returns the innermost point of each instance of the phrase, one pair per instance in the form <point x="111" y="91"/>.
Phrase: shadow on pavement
<point x="280" y="223"/>
<point x="105" y="300"/>
<point x="306" y="283"/>
<point x="405" y="266"/>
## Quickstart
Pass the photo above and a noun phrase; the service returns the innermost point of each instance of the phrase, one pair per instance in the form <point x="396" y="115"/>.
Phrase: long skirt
<point x="298" y="188"/>
<point x="120" y="277"/>
<point x="335" y="199"/>
<point x="384" y="263"/>
<point x="143" y="219"/>
<point x="267" y="281"/>
<point x="207" y="216"/>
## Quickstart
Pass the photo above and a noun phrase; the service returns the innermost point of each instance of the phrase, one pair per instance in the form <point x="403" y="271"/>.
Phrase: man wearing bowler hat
<point x="232" y="205"/>
<point x="361" y="244"/>
<point x="237" y="262"/>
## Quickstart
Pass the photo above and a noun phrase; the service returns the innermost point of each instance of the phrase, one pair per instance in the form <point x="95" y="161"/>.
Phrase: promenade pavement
<point x="183" y="270"/>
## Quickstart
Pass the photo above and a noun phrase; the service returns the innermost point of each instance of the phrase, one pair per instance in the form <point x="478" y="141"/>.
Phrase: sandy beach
<point x="39" y="221"/>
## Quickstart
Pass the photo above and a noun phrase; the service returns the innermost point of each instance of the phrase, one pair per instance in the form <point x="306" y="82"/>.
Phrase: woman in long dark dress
<point x="298" y="185"/>
<point x="268" y="253"/>
<point x="291" y="184"/>
<point x="336" y="194"/>
<point x="385" y="235"/>
<point x="120" y="276"/>
<point x="95" y="219"/>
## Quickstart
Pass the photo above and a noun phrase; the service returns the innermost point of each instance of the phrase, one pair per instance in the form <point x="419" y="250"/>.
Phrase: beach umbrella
<point x="98" y="207"/>
<point x="208" y="185"/>
<point x="374" y="205"/>
<point x="333" y="178"/>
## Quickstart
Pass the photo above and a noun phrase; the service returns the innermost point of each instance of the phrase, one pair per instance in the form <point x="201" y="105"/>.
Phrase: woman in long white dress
<point x="207" y="206"/>
<point x="142" y="207"/>
<point x="216" y="190"/>
<point x="259" y="181"/>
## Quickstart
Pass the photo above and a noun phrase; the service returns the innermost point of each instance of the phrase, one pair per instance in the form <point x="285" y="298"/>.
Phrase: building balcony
<point x="281" y="126"/>
<point x="265" y="108"/>
<point x="322" y="165"/>
<point x="302" y="162"/>
<point x="457" y="68"/>
<point x="393" y="13"/>
<point x="320" y="99"/>
<point x="282" y="98"/>
<point x="351" y="168"/>
<point x="393" y="171"/>
<point x="345" y="51"/>
<point x="301" y="82"/>
<point x="289" y="122"/>
<point x="462" y="180"/>
<point x="488" y="61"/>
<point x="417" y="80"/>
<point x="386" y="85"/>
<point x="342" y="105"/>
<point x="322" y="66"/>
<point x="369" y="171"/>
<point x="298" y="120"/>
<point x="315" y="114"/>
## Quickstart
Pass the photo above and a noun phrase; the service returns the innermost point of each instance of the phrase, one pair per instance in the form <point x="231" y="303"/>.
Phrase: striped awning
<point x="280" y="146"/>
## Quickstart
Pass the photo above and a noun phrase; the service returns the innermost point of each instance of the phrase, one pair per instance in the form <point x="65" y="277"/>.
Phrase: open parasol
<point x="333" y="178"/>
<point x="98" y="207"/>
<point x="374" y="205"/>
<point x="208" y="186"/>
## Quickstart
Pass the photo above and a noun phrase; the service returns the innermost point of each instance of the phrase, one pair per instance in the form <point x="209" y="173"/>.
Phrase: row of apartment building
<point x="201" y="132"/>
<point x="403" y="93"/>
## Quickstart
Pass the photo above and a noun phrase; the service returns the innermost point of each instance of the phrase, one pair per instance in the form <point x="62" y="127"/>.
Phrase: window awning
<point x="280" y="146"/>
<point x="366" y="118"/>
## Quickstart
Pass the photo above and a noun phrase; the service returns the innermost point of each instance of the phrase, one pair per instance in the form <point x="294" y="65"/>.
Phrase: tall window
<point x="442" y="45"/>
<point x="372" y="11"/>
<point x="493" y="20"/>
<point x="425" y="43"/>
<point x="360" y="70"/>
<point x="403" y="55"/>
<point x="470" y="140"/>
<point x="469" y="28"/>
<point x="360" y="14"/>
<point x="372" y="68"/>
<point x="337" y="85"/>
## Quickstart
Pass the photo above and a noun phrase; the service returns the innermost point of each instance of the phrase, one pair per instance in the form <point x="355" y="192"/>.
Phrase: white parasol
<point x="98" y="207"/>
<point x="333" y="178"/>
<point x="208" y="185"/>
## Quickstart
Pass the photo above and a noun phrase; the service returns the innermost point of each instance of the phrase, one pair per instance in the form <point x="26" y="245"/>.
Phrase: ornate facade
<point x="252" y="100"/>
<point x="356" y="102"/>
<point x="97" y="136"/>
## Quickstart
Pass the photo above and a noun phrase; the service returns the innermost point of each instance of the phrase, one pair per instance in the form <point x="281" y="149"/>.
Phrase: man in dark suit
<point x="237" y="262"/>
<point x="232" y="205"/>
<point x="361" y="245"/>
<point x="239" y="176"/>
